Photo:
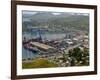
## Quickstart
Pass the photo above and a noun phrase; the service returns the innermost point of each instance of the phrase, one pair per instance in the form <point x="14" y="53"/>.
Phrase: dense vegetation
<point x="79" y="57"/>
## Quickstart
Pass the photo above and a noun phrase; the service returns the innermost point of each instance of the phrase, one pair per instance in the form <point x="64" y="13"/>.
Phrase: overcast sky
<point x="54" y="13"/>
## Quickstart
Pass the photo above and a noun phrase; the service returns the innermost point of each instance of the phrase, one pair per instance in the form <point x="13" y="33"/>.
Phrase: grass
<point x="39" y="63"/>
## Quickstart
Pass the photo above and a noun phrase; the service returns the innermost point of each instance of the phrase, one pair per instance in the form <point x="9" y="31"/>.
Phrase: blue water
<point x="47" y="36"/>
<point x="28" y="54"/>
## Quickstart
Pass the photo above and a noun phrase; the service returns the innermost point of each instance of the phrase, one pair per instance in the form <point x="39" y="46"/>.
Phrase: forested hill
<point x="62" y="21"/>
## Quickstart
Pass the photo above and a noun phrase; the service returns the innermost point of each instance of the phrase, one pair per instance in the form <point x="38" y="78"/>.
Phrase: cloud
<point x="84" y="14"/>
<point x="56" y="13"/>
<point x="29" y="12"/>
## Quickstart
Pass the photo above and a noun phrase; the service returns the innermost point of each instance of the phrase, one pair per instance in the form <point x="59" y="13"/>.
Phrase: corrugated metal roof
<point x="41" y="45"/>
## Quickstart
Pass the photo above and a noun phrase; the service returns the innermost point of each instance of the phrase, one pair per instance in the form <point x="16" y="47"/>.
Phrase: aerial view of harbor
<point x="54" y="39"/>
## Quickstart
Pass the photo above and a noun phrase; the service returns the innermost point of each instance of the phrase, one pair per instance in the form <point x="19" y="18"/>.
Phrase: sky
<point x="53" y="13"/>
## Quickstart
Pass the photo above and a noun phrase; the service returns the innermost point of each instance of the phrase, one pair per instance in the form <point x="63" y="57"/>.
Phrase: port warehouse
<point x="43" y="47"/>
